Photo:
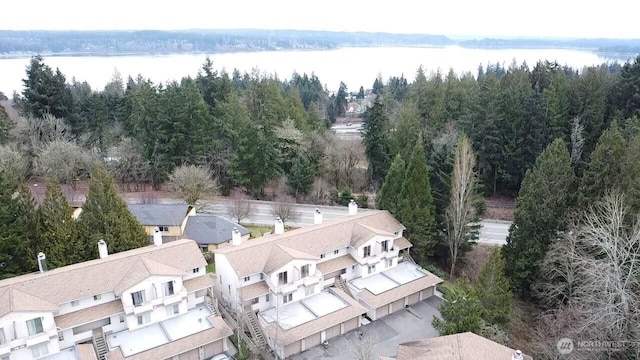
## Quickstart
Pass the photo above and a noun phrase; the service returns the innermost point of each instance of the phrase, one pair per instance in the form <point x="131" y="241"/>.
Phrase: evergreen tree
<point x="105" y="216"/>
<point x="631" y="174"/>
<point x="57" y="229"/>
<point x="461" y="312"/>
<point x="14" y="228"/>
<point x="376" y="141"/>
<point x="360" y="95"/>
<point x="416" y="207"/>
<point x="302" y="174"/>
<point x="6" y="124"/>
<point x="378" y="85"/>
<point x="341" y="100"/>
<point x="389" y="195"/>
<point x="605" y="166"/>
<point x="494" y="292"/>
<point x="543" y="202"/>
<point x="406" y="131"/>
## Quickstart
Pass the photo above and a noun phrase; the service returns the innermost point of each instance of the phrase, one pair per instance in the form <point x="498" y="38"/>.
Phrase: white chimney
<point x="517" y="356"/>
<point x="42" y="262"/>
<point x="102" y="249"/>
<point x="236" y="238"/>
<point x="353" y="207"/>
<point x="317" y="217"/>
<point x="157" y="236"/>
<point x="279" y="228"/>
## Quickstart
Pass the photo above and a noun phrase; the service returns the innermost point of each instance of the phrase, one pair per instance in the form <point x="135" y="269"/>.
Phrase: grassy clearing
<point x="211" y="268"/>
<point x="258" y="230"/>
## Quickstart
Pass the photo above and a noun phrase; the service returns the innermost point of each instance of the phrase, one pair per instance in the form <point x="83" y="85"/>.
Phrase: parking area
<point x="384" y="334"/>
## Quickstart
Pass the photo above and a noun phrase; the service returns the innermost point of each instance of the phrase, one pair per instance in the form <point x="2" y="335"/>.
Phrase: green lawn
<point x="258" y="230"/>
<point x="211" y="268"/>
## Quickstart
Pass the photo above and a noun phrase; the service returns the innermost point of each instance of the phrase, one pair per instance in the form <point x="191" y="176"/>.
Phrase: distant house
<point x="465" y="346"/>
<point x="177" y="221"/>
<point x="169" y="218"/>
<point x="212" y="232"/>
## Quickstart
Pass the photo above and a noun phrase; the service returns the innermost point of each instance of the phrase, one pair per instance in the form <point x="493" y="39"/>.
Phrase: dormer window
<point x="35" y="326"/>
<point x="282" y="278"/>
<point x="137" y="297"/>
<point x="304" y="271"/>
<point x="335" y="252"/>
<point x="366" y="251"/>
<point x="247" y="278"/>
<point x="168" y="288"/>
<point x="321" y="256"/>
<point x="385" y="245"/>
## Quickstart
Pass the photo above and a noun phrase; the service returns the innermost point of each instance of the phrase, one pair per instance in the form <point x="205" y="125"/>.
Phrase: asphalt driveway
<point x="385" y="334"/>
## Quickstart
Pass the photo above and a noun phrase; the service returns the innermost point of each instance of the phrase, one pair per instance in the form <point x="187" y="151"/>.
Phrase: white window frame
<point x="247" y="278"/>
<point x="336" y="252"/>
<point x="3" y="339"/>
<point x="287" y="298"/>
<point x="75" y="303"/>
<point x="143" y="297"/>
<point x="33" y="328"/>
<point x="144" y="318"/>
<point x="283" y="278"/>
<point x="168" y="288"/>
<point x="304" y="270"/>
<point x="97" y="297"/>
<point x="122" y="318"/>
<point x="40" y="350"/>
<point x="366" y="251"/>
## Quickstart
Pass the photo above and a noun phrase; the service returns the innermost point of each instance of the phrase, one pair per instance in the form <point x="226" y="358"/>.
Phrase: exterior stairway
<point x="340" y="284"/>
<point x="254" y="327"/>
<point x="100" y="345"/>
<point x="212" y="307"/>
<point x="408" y="257"/>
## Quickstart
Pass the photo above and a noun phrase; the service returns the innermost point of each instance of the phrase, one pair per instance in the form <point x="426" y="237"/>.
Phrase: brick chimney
<point x="353" y="207"/>
<point x="279" y="226"/>
<point x="317" y="217"/>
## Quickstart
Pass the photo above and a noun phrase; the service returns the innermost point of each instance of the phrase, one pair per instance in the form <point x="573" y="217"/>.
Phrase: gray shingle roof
<point x="159" y="214"/>
<point x="210" y="229"/>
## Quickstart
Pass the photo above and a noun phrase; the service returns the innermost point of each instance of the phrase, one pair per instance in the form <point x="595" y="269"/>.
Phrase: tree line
<point x="28" y="228"/>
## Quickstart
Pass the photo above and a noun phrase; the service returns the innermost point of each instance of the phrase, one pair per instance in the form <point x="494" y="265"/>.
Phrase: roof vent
<point x="42" y="262"/>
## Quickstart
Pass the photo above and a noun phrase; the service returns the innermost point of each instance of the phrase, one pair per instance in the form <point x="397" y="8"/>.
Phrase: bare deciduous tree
<point x="64" y="161"/>
<point x="595" y="268"/>
<point x="239" y="207"/>
<point x="343" y="161"/>
<point x="33" y="134"/>
<point x="284" y="207"/>
<point x="362" y="348"/>
<point x="461" y="215"/>
<point x="192" y="182"/>
<point x="14" y="162"/>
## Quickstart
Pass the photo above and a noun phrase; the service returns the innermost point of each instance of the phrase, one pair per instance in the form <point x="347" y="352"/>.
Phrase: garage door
<point x="397" y="305"/>
<point x="333" y="331"/>
<point x="427" y="292"/>
<point x="292" y="349"/>
<point x="382" y="311"/>
<point x="311" y="341"/>
<point x="214" y="348"/>
<point x="350" y="324"/>
<point x="414" y="298"/>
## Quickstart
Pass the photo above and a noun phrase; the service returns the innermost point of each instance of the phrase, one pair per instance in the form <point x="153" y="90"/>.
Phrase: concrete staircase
<point x="100" y="345"/>
<point x="340" y="284"/>
<point x="254" y="327"/>
<point x="408" y="257"/>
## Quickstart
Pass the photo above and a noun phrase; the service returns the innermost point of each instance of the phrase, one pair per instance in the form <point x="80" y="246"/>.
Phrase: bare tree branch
<point x="239" y="207"/>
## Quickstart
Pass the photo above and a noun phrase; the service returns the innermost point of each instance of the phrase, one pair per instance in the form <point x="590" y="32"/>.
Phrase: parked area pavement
<point x="494" y="232"/>
<point x="385" y="334"/>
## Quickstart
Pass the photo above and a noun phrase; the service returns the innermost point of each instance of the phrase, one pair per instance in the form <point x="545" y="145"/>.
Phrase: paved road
<point x="262" y="212"/>
<point x="494" y="232"/>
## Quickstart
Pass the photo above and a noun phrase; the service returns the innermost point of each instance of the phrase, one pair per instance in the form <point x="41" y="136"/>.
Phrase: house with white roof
<point x="153" y="302"/>
<point x="300" y="288"/>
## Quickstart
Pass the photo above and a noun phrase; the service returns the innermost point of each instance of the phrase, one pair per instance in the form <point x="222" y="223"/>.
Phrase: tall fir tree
<point x="105" y="216"/>
<point x="545" y="197"/>
<point x="16" y="256"/>
<point x="461" y="312"/>
<point x="494" y="291"/>
<point x="389" y="195"/>
<point x="605" y="166"/>
<point x="416" y="207"/>
<point x="376" y="141"/>
<point x="302" y="174"/>
<point x="58" y="235"/>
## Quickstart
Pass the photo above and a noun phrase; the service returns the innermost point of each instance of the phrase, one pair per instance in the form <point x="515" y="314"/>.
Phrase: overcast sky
<point x="544" y="18"/>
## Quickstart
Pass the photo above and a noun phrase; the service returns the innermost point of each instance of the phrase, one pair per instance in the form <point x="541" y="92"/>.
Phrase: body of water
<point x="354" y="66"/>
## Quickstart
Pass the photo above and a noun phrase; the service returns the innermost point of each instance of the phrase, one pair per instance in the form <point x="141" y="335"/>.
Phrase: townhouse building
<point x="153" y="302"/>
<point x="308" y="285"/>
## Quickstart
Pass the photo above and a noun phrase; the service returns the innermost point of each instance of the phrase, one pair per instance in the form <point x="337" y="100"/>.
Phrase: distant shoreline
<point x="608" y="54"/>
